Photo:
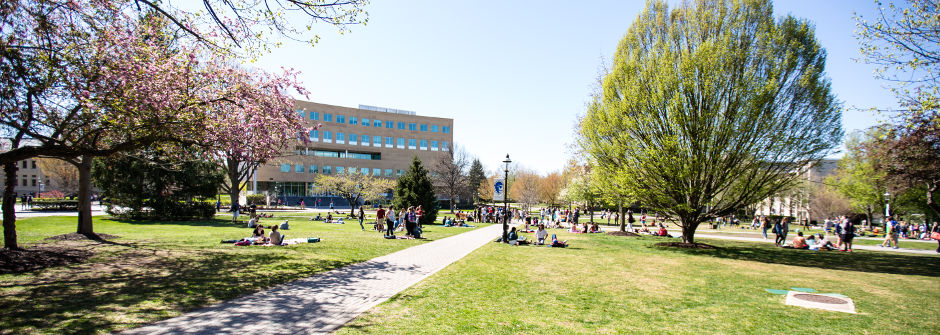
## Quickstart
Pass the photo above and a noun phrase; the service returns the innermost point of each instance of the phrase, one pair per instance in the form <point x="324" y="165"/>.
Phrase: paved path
<point x="95" y="210"/>
<point x="322" y="303"/>
<point x="856" y="246"/>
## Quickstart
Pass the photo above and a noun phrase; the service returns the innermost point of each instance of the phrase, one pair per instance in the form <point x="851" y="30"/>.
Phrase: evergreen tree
<point x="476" y="177"/>
<point x="415" y="189"/>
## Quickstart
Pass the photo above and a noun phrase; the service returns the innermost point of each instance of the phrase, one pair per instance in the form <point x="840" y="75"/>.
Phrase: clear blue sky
<point x="515" y="75"/>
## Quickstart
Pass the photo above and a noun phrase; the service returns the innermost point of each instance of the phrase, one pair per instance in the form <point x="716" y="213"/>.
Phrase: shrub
<point x="257" y="199"/>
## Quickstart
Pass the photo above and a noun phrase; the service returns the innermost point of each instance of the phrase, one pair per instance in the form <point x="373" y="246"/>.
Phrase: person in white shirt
<point x="540" y="235"/>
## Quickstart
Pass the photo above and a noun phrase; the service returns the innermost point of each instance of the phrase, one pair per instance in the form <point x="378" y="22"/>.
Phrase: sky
<point x="515" y="75"/>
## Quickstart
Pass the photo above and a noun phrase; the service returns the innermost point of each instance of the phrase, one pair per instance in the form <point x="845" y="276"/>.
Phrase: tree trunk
<point x="932" y="187"/>
<point x="623" y="225"/>
<point x="591" y="213"/>
<point x="84" y="197"/>
<point x="870" y="219"/>
<point x="9" y="206"/>
<point x="688" y="230"/>
<point x="234" y="190"/>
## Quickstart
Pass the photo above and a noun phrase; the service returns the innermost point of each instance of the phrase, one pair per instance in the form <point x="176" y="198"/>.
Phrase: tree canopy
<point x="415" y="189"/>
<point x="710" y="107"/>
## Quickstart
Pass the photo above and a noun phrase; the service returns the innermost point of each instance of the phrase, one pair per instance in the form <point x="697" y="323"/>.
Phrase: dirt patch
<point x="35" y="258"/>
<point x="80" y="237"/>
<point x="684" y="245"/>
<point x="622" y="233"/>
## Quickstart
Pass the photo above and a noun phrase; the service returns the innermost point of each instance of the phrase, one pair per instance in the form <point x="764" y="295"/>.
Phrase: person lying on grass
<point x="558" y="244"/>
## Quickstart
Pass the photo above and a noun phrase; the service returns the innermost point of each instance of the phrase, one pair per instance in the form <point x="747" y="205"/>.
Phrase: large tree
<point x="354" y="186"/>
<point x="414" y="188"/>
<point x="858" y="177"/>
<point x="450" y="174"/>
<point x="476" y="177"/>
<point x="550" y="186"/>
<point x="712" y="106"/>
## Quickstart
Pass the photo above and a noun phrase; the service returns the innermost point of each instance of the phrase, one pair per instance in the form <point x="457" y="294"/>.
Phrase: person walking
<point x="390" y="222"/>
<point x="935" y="234"/>
<point x="778" y="231"/>
<point x="849" y="232"/>
<point x="235" y="208"/>
<point x="362" y="217"/>
<point x="893" y="230"/>
<point x="785" y="227"/>
<point x="764" y="225"/>
<point x="380" y="219"/>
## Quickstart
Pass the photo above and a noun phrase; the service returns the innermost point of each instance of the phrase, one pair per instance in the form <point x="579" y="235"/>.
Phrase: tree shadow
<point x="864" y="261"/>
<point x="196" y="223"/>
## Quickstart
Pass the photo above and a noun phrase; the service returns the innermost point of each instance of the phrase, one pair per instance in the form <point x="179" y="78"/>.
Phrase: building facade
<point x="30" y="179"/>
<point x="797" y="202"/>
<point x="372" y="140"/>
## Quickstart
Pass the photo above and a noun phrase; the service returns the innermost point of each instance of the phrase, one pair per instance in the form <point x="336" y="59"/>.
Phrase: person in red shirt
<point x="420" y="213"/>
<point x="380" y="219"/>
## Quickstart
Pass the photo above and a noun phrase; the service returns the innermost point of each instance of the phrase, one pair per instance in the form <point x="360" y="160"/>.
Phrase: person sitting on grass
<point x="540" y="235"/>
<point x="275" y="238"/>
<point x="799" y="242"/>
<point x="257" y="236"/>
<point x="253" y="222"/>
<point x="329" y="217"/>
<point x="285" y="225"/>
<point x="824" y="243"/>
<point x="513" y="236"/>
<point x="595" y="228"/>
<point x="663" y="232"/>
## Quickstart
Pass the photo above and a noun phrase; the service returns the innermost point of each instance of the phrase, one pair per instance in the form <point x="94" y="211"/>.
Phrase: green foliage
<point x="476" y="178"/>
<point x="415" y="189"/>
<point x="711" y="107"/>
<point x="858" y="177"/>
<point x="257" y="199"/>
<point x="153" y="186"/>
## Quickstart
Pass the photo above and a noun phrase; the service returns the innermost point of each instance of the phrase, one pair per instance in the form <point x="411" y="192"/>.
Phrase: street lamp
<point x="887" y="205"/>
<point x="506" y="202"/>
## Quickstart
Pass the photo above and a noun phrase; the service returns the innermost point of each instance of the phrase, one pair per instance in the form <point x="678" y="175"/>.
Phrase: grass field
<point x="613" y="285"/>
<point x="157" y="270"/>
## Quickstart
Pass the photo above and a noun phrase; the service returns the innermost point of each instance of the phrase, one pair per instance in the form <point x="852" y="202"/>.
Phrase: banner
<point x="499" y="190"/>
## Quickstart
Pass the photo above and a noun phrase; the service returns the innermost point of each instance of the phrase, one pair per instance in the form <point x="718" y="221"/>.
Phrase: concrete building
<point x="30" y="179"/>
<point x="374" y="140"/>
<point x="797" y="201"/>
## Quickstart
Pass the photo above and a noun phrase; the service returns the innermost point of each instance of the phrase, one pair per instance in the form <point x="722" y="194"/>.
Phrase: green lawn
<point x="158" y="270"/>
<point x="613" y="285"/>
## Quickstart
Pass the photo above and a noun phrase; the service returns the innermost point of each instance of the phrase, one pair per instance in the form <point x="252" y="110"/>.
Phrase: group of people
<point x="844" y="230"/>
<point x="389" y="221"/>
<point x="541" y="236"/>
<point x="258" y="237"/>
<point x="895" y="230"/>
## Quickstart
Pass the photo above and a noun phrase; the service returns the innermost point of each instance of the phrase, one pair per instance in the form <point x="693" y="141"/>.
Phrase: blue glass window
<point x="327" y="169"/>
<point x="364" y="171"/>
<point x="327" y="136"/>
<point x="424" y="144"/>
<point x="340" y="169"/>
<point x="340" y="137"/>
<point x="301" y="113"/>
<point x="285" y="167"/>
<point x="412" y="143"/>
<point x="434" y="146"/>
<point x="365" y="140"/>
<point x="389" y="124"/>
<point x="388" y="172"/>
<point x="388" y="141"/>
<point x="314" y="115"/>
<point x="377" y="123"/>
<point x="353" y="120"/>
<point x="340" y="119"/>
<point x="401" y="143"/>
<point x="412" y="126"/>
<point x="327" y="117"/>
<point x="445" y="129"/>
<point x="445" y="146"/>
<point x="376" y="172"/>
<point x="299" y="168"/>
<point x="314" y="135"/>
<point x="401" y="125"/>
<point x="435" y="128"/>
<point x="313" y="169"/>
<point x="424" y="127"/>
<point x="353" y="138"/>
<point x="366" y="122"/>
<point x="377" y="141"/>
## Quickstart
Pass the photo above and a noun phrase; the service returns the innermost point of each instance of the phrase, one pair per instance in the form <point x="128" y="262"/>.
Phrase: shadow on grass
<point x="91" y="301"/>
<point x="196" y="223"/>
<point x="877" y="262"/>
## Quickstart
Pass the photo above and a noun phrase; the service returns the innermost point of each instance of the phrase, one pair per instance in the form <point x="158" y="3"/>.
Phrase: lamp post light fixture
<point x="506" y="201"/>
<point x="887" y="206"/>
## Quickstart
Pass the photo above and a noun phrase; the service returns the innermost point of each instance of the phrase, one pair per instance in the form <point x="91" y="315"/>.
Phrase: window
<point x="434" y="146"/>
<point x="301" y="113"/>
<point x="412" y="126"/>
<point x="376" y="141"/>
<point x="364" y="171"/>
<point x="352" y="169"/>
<point x="365" y="122"/>
<point x="424" y="144"/>
<point x="389" y="124"/>
<point x="365" y="140"/>
<point x="401" y="125"/>
<point x="401" y="143"/>
<point x="353" y="138"/>
<point x="34" y="180"/>
<point x="285" y="167"/>
<point x="435" y="128"/>
<point x="34" y="164"/>
<point x="388" y="172"/>
<point x="377" y="172"/>
<point x="314" y="115"/>
<point x="445" y="129"/>
<point x="353" y="120"/>
<point x="424" y="127"/>
<point x="299" y="168"/>
<point x="340" y="118"/>
<point x="445" y="146"/>
<point x="327" y="137"/>
<point x="24" y="166"/>
<point x="389" y="143"/>
<point x="400" y="172"/>
<point x="327" y="117"/>
<point x="340" y="138"/>
<point x="377" y="123"/>
<point x="24" y="182"/>
<point x="340" y="169"/>
<point x="412" y="144"/>
<point x="327" y="169"/>
<point x="313" y="169"/>
<point x="315" y="135"/>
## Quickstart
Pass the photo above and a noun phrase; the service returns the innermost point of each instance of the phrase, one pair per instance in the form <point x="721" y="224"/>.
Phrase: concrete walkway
<point x="322" y="303"/>
<point x="856" y="246"/>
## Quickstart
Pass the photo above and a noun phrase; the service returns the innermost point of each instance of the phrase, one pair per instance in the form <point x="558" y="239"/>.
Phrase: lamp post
<point x="506" y="202"/>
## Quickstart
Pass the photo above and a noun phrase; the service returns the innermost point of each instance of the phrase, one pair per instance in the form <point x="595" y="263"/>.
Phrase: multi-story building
<point x="377" y="141"/>
<point x="797" y="202"/>
<point x="30" y="179"/>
